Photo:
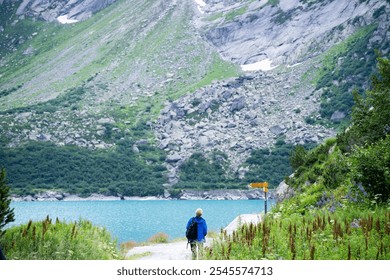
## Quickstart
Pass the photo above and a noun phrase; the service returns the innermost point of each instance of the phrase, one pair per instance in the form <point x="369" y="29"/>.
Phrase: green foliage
<point x="40" y="166"/>
<point x="356" y="165"/>
<point x="270" y="165"/>
<point x="57" y="240"/>
<point x="273" y="3"/>
<point x="70" y="99"/>
<point x="282" y="16"/>
<point x="6" y="213"/>
<point x="346" y="66"/>
<point x="199" y="172"/>
<point x="7" y="92"/>
<point x="232" y="14"/>
<point x="343" y="235"/>
<point x="334" y="170"/>
<point x="371" y="169"/>
<point x="367" y="140"/>
<point x="371" y="115"/>
<point x="297" y="156"/>
<point x="380" y="11"/>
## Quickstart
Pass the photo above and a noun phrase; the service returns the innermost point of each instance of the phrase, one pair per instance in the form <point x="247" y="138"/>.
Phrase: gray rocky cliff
<point x="287" y="32"/>
<point x="50" y="10"/>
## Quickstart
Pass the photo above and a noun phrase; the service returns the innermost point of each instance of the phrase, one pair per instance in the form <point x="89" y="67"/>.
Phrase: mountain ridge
<point x="163" y="74"/>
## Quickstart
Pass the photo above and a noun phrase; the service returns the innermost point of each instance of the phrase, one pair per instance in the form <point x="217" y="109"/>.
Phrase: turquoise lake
<point x="139" y="219"/>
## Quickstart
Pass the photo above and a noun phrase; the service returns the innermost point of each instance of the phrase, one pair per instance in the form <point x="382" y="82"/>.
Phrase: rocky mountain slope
<point x="285" y="31"/>
<point x="186" y="76"/>
<point x="61" y="10"/>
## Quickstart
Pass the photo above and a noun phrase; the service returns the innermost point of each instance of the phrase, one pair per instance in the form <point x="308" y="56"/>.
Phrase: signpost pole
<point x="263" y="185"/>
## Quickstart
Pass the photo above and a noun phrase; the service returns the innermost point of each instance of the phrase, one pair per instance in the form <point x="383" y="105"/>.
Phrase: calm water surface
<point x="138" y="220"/>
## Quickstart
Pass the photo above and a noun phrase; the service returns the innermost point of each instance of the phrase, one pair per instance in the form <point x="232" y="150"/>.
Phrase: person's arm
<point x="205" y="228"/>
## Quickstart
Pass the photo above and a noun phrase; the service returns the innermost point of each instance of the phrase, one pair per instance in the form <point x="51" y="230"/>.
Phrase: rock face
<point x="240" y="115"/>
<point x="50" y="10"/>
<point x="337" y="116"/>
<point x="285" y="32"/>
<point x="283" y="191"/>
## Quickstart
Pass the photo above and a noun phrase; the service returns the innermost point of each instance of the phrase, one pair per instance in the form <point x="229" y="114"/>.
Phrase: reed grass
<point x="316" y="236"/>
<point x="48" y="240"/>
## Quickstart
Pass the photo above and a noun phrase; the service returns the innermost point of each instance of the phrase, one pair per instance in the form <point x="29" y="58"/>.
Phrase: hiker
<point x="2" y="257"/>
<point x="196" y="238"/>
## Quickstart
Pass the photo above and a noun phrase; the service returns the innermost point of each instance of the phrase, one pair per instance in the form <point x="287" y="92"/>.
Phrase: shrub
<point x="126" y="246"/>
<point x="297" y="156"/>
<point x="6" y="213"/>
<point x="371" y="169"/>
<point x="159" y="238"/>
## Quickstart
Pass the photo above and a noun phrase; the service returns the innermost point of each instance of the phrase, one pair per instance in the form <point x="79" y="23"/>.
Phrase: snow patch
<point x="201" y="4"/>
<point x="292" y="66"/>
<point x="264" y="65"/>
<point x="65" y="20"/>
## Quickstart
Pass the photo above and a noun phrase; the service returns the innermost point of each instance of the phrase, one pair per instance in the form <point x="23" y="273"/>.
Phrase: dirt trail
<point x="179" y="250"/>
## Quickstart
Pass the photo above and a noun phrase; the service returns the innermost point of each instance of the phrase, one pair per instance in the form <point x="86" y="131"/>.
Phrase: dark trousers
<point x="197" y="250"/>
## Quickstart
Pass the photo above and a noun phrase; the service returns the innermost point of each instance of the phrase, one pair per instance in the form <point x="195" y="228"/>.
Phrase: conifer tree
<point x="297" y="156"/>
<point x="6" y="213"/>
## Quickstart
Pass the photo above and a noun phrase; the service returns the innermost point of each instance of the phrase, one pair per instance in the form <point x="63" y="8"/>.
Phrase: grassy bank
<point x="344" y="235"/>
<point x="56" y="240"/>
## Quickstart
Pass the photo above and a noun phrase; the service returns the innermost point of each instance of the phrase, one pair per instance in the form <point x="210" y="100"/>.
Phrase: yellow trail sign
<point x="259" y="185"/>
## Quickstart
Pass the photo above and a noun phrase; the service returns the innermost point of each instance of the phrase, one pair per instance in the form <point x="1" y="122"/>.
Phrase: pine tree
<point x="297" y="156"/>
<point x="6" y="213"/>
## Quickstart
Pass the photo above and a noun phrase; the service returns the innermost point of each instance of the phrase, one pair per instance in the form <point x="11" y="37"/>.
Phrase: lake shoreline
<point x="234" y="194"/>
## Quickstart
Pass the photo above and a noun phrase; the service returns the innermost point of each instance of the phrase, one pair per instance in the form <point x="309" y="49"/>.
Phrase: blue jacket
<point x="202" y="228"/>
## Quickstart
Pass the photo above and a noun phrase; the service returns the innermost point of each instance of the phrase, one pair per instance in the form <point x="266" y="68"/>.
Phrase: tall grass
<point x="48" y="240"/>
<point x="318" y="236"/>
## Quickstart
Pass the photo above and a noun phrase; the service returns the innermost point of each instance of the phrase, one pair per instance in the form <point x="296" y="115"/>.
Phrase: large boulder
<point x="238" y="104"/>
<point x="283" y="191"/>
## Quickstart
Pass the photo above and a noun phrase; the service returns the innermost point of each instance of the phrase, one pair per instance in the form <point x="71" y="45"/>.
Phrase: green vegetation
<point x="232" y="14"/>
<point x="198" y="172"/>
<point x="48" y="240"/>
<point x="340" y="206"/>
<point x="270" y="165"/>
<point x="282" y="16"/>
<point x="6" y="213"/>
<point x="319" y="236"/>
<point x="39" y="166"/>
<point x="346" y="66"/>
<point x="298" y="156"/>
<point x="218" y="70"/>
<point x="71" y="99"/>
<point x="273" y="3"/>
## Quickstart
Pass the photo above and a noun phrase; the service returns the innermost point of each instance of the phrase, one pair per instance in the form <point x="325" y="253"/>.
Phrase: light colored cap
<point x="199" y="212"/>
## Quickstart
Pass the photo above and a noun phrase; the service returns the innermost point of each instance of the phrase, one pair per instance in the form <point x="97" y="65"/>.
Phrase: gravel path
<point x="179" y="250"/>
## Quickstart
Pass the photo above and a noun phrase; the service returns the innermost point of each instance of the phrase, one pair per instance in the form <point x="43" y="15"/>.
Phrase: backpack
<point x="192" y="231"/>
